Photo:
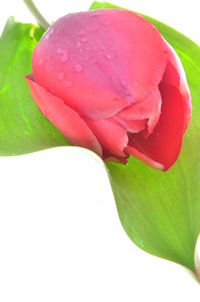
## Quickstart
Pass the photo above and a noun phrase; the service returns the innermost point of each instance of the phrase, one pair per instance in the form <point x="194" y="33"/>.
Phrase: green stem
<point x="35" y="12"/>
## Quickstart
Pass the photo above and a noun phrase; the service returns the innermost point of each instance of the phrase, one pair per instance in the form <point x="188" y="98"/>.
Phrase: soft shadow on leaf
<point x="159" y="211"/>
<point x="22" y="128"/>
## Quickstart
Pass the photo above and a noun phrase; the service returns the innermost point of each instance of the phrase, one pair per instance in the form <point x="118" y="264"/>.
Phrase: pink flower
<point x="109" y="82"/>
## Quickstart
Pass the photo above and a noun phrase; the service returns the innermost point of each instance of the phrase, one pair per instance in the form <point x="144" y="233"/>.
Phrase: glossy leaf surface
<point x="161" y="211"/>
<point x="22" y="128"/>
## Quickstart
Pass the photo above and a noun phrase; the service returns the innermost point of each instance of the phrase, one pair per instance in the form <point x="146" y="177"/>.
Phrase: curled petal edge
<point x="145" y="159"/>
<point x="64" y="118"/>
<point x="182" y="84"/>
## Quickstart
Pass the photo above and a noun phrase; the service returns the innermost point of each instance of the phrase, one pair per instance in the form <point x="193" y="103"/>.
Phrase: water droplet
<point x="60" y="76"/>
<point x="84" y="39"/>
<point x="78" y="44"/>
<point x="64" y="55"/>
<point x="109" y="56"/>
<point x="78" y="68"/>
<point x="95" y="48"/>
<point x="124" y="84"/>
<point x="68" y="84"/>
<point x="82" y="33"/>
<point x="41" y="61"/>
<point x="64" y="58"/>
<point x="59" y="51"/>
<point x="32" y="32"/>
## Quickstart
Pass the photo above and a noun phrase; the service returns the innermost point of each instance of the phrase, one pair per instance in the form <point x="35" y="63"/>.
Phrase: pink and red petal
<point x="112" y="137"/>
<point x="145" y="159"/>
<point x="164" y="144"/>
<point x="65" y="119"/>
<point x="132" y="126"/>
<point x="104" y="58"/>
<point x="149" y="108"/>
<point x="175" y="75"/>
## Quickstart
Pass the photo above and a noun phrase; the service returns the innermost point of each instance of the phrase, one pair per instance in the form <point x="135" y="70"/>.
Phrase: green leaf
<point x="22" y="128"/>
<point x="160" y="211"/>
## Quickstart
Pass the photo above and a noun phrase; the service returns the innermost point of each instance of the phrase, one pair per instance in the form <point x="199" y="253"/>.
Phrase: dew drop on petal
<point x="82" y="33"/>
<point x="41" y="61"/>
<point x="78" y="68"/>
<point x="84" y="39"/>
<point x="78" y="44"/>
<point x="64" y="58"/>
<point x="124" y="84"/>
<point x="60" y="76"/>
<point x="109" y="56"/>
<point x="59" y="51"/>
<point x="64" y="55"/>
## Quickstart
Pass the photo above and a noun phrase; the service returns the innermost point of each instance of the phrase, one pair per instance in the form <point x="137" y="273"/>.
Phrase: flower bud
<point x="109" y="82"/>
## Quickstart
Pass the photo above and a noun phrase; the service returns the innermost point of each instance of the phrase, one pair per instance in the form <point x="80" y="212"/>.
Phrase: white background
<point x="60" y="235"/>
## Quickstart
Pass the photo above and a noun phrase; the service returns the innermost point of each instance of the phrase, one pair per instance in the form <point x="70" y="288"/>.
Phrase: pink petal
<point x="112" y="137"/>
<point x="111" y="57"/>
<point x="65" y="119"/>
<point x="164" y="144"/>
<point x="149" y="108"/>
<point x="137" y="154"/>
<point x="171" y="75"/>
<point x="175" y="75"/>
<point x="132" y="126"/>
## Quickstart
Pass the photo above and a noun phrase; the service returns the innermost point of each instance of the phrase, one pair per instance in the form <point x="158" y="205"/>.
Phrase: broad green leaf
<point x="22" y="128"/>
<point x="161" y="211"/>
